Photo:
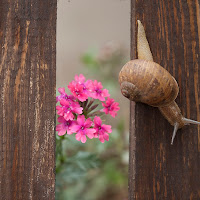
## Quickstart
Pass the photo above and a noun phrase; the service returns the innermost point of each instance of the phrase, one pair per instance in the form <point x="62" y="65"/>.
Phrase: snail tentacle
<point x="190" y="121"/>
<point x="176" y="127"/>
<point x="143" y="47"/>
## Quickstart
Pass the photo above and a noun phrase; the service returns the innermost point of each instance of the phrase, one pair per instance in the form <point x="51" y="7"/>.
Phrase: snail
<point x="142" y="80"/>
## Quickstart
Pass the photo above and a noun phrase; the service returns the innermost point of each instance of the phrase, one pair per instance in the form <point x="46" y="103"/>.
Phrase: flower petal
<point x="75" y="128"/>
<point x="96" y="133"/>
<point x="97" y="121"/>
<point x="61" y="90"/>
<point x="101" y="138"/>
<point x="82" y="97"/>
<point x="105" y="93"/>
<point x="83" y="138"/>
<point x="80" y="78"/>
<point x="90" y="132"/>
<point x="68" y="116"/>
<point x="88" y="123"/>
<point x="61" y="132"/>
<point x="64" y="102"/>
<point x="107" y="128"/>
<point x="69" y="131"/>
<point x="80" y="119"/>
<point x="78" y="136"/>
<point x="106" y="136"/>
<point x="61" y="119"/>
<point x="78" y="110"/>
<point x="59" y="127"/>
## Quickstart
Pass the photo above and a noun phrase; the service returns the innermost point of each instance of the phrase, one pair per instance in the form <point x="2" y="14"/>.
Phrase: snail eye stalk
<point x="176" y="125"/>
<point x="190" y="121"/>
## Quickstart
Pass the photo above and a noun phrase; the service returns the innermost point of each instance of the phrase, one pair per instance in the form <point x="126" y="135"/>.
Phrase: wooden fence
<point x="159" y="170"/>
<point x="27" y="99"/>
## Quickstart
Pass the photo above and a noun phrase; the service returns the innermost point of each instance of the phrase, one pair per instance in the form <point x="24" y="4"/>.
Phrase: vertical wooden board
<point x="132" y="139"/>
<point x="27" y="99"/>
<point x="161" y="170"/>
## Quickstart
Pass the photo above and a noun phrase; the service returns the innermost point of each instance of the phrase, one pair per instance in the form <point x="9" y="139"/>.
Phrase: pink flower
<point x="67" y="109"/>
<point x="79" y="79"/>
<point x="83" y="128"/>
<point x="102" y="130"/>
<point x="76" y="109"/>
<point x="77" y="90"/>
<point x="63" y="95"/>
<point x="110" y="107"/>
<point x="64" y="126"/>
<point x="98" y="93"/>
<point x="87" y="86"/>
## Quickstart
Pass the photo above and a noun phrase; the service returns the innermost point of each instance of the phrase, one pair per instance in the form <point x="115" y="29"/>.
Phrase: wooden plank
<point x="27" y="99"/>
<point x="159" y="170"/>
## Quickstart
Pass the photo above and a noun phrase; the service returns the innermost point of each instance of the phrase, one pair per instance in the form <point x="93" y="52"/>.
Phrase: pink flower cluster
<point x="77" y="112"/>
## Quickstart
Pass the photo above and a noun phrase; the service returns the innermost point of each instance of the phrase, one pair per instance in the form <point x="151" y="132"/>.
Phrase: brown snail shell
<point x="147" y="82"/>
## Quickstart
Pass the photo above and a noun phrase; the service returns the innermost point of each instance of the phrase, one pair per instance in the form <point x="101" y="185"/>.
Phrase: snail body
<point x="142" y="80"/>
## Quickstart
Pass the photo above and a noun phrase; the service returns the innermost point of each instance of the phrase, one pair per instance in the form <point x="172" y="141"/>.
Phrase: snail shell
<point x="147" y="82"/>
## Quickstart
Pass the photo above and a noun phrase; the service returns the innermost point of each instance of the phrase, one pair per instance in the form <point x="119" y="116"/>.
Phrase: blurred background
<point x="93" y="39"/>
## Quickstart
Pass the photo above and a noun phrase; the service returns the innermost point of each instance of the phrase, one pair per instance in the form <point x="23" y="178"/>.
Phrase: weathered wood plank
<point x="27" y="99"/>
<point x="159" y="170"/>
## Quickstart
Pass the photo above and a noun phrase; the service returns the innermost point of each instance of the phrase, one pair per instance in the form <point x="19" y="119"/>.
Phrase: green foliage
<point x="93" y="170"/>
<point x="76" y="166"/>
<point x="90" y="61"/>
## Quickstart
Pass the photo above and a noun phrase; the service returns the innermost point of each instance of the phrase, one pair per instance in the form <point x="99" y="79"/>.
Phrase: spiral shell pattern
<point x="147" y="82"/>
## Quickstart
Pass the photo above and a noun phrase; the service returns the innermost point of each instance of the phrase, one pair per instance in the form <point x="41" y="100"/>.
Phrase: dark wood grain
<point x="27" y="99"/>
<point x="159" y="170"/>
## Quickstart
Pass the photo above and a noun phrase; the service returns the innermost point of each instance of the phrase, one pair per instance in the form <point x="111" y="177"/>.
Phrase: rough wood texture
<point x="159" y="170"/>
<point x="27" y="99"/>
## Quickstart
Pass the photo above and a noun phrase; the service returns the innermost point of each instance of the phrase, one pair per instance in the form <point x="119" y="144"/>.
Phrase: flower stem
<point x="85" y="103"/>
<point x="98" y="113"/>
<point x="60" y="153"/>
<point x="92" y="108"/>
<point x="90" y="103"/>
